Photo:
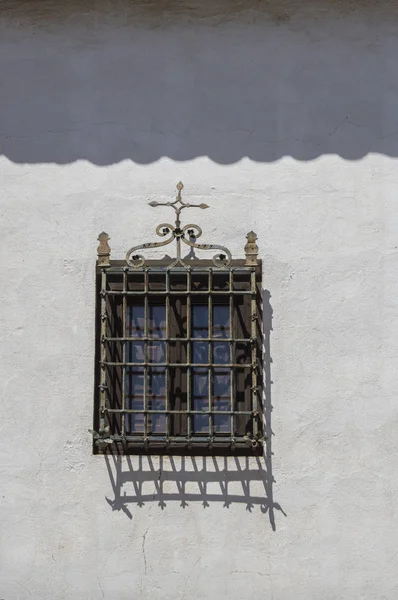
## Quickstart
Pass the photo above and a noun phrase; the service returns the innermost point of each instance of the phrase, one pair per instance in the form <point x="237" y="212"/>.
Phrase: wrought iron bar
<point x="254" y="354"/>
<point x="134" y="411"/>
<point x="146" y="353"/>
<point x="189" y="352"/>
<point x="167" y="353"/>
<point x="124" y="319"/>
<point x="232" y="346"/>
<point x="103" y="384"/>
<point x="164" y="364"/>
<point x="173" y="339"/>
<point x="176" y="293"/>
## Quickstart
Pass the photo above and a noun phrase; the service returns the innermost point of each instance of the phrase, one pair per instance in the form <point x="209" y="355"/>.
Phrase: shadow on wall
<point x="245" y="480"/>
<point x="142" y="81"/>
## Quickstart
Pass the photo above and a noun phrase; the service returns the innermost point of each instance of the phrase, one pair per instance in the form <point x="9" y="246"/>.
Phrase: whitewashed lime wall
<point x="286" y="122"/>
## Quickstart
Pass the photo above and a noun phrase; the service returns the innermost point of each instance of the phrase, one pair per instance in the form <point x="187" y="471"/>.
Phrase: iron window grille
<point x="178" y="365"/>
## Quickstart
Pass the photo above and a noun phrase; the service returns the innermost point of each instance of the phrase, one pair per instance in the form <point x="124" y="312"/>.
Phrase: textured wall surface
<point x="284" y="120"/>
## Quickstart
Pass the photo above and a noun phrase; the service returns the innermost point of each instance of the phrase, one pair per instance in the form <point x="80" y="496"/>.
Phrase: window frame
<point x="106" y="441"/>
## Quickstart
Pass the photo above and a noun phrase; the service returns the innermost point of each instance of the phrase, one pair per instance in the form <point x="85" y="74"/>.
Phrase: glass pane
<point x="221" y="400"/>
<point x="178" y="383"/>
<point x="157" y="423"/>
<point x="136" y="423"/>
<point x="135" y="399"/>
<point x="221" y="353"/>
<point x="200" y="353"/>
<point x="221" y="423"/>
<point x="135" y="387"/>
<point x="200" y="400"/>
<point x="135" y="352"/>
<point x="200" y="324"/>
<point x="220" y="321"/>
<point x="157" y="352"/>
<point x="135" y="321"/>
<point x="157" y="399"/>
<point x="157" y="386"/>
<point x="157" y="321"/>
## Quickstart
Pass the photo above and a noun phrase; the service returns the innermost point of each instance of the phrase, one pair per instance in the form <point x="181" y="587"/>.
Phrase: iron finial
<point x="251" y="250"/>
<point x="103" y="250"/>
<point x="180" y="187"/>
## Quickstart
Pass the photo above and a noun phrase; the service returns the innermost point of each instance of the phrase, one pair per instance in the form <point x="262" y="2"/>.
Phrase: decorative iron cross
<point x="178" y="200"/>
<point x="220" y="260"/>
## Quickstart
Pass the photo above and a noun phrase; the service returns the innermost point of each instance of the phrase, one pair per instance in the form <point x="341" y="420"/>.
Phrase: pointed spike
<point x="203" y="205"/>
<point x="180" y="186"/>
<point x="153" y="203"/>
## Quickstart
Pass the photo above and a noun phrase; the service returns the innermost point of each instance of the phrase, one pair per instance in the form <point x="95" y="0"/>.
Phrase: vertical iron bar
<point x="254" y="351"/>
<point x="210" y="349"/>
<point x="231" y="348"/>
<point x="189" y="342"/>
<point x="146" y="287"/>
<point x="167" y="378"/>
<point x="102" y="388"/>
<point x="124" y="320"/>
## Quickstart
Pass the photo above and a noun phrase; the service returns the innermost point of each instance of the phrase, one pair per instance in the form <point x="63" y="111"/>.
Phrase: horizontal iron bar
<point x="174" y="339"/>
<point x="188" y="365"/>
<point x="179" y="293"/>
<point x="184" y="439"/>
<point x="178" y="270"/>
<point x="177" y="412"/>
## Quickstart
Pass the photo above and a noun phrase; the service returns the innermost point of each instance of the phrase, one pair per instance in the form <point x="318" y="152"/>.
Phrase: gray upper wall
<point x="105" y="82"/>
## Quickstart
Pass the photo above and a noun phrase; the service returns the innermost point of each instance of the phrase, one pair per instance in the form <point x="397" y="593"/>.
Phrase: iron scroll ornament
<point x="187" y="234"/>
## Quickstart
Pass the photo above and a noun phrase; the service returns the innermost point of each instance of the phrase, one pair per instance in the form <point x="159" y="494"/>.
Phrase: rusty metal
<point x="180" y="234"/>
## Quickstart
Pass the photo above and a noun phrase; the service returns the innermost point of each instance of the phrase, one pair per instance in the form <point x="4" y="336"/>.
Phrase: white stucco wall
<point x="284" y="121"/>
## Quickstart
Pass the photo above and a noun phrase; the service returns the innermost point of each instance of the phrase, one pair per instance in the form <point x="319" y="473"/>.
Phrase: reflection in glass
<point x="200" y="353"/>
<point x="157" y="399"/>
<point x="136" y="321"/>
<point x="157" y="321"/>
<point x="135" y="398"/>
<point x="157" y="352"/>
<point x="135" y="352"/>
<point x="220" y="353"/>
<point x="220" y="321"/>
<point x="200" y="325"/>
<point x="200" y="400"/>
<point x="221" y="400"/>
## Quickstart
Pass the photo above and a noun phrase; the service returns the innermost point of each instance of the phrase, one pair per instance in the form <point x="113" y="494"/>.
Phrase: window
<point x="178" y="353"/>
